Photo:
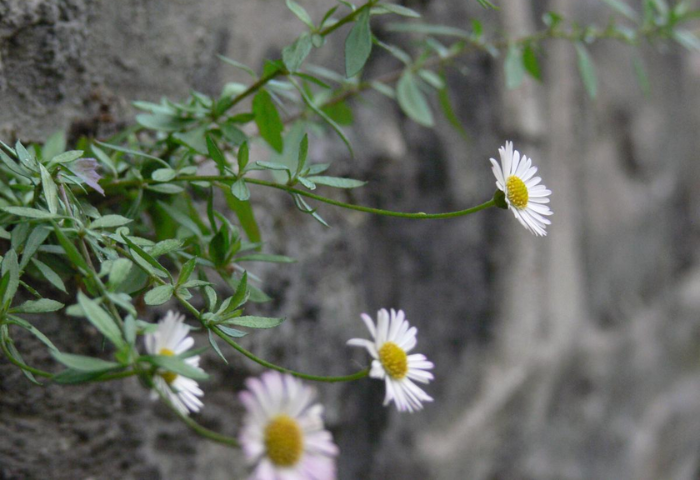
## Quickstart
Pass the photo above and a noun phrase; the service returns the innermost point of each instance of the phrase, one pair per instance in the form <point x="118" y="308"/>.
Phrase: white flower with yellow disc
<point x="283" y="433"/>
<point x="172" y="338"/>
<point x="393" y="338"/>
<point x="526" y="198"/>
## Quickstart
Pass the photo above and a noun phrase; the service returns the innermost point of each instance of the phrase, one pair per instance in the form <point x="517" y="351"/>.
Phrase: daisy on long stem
<point x="393" y="338"/>
<point x="283" y="433"/>
<point x="526" y="198"/>
<point x="172" y="338"/>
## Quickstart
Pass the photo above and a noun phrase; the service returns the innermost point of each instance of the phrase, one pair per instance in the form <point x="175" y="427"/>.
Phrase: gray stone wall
<point x="569" y="357"/>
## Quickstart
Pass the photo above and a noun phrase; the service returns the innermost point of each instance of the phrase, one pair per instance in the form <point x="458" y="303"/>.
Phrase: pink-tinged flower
<point x="392" y="339"/>
<point x="173" y="338"/>
<point x="283" y="434"/>
<point x="526" y="198"/>
<point x="86" y="170"/>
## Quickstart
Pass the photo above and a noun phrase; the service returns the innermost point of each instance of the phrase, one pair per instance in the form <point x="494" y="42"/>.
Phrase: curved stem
<point x="272" y="366"/>
<point x="376" y="211"/>
<point x="201" y="430"/>
<point x="265" y="363"/>
<point x="23" y="366"/>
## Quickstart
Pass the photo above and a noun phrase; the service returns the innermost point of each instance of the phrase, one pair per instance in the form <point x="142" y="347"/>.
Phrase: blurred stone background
<point x="573" y="357"/>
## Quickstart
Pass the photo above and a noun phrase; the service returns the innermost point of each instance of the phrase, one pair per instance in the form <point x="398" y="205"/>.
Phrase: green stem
<point x="347" y="19"/>
<point x="272" y="366"/>
<point x="23" y="366"/>
<point x="265" y="363"/>
<point x="376" y="211"/>
<point x="201" y="430"/>
<point x="337" y="203"/>
<point x="262" y="81"/>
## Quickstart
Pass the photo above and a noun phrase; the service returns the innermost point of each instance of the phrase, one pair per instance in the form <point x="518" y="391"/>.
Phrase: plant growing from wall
<point x="101" y="229"/>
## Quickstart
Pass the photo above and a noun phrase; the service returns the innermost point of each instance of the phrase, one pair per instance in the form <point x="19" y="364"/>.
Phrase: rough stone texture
<point x="570" y="357"/>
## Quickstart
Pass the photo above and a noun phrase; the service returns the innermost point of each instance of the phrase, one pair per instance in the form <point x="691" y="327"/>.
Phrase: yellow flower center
<point x="517" y="192"/>
<point x="393" y="360"/>
<point x="284" y="441"/>
<point x="169" y="377"/>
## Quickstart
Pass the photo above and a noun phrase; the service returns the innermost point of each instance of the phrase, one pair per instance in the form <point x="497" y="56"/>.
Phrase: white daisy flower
<point x="172" y="338"/>
<point x="393" y="339"/>
<point x="526" y="198"/>
<point x="283" y="434"/>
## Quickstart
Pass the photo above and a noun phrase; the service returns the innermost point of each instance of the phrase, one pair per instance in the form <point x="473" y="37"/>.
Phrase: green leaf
<point x="256" y="295"/>
<point x="218" y="247"/>
<point x="339" y="113"/>
<point x="622" y="8"/>
<point x="42" y="305"/>
<point x="193" y="139"/>
<point x="432" y="79"/>
<point x="29" y="212"/>
<point x="14" y="167"/>
<point x="181" y="217"/>
<point x="72" y="377"/>
<point x="100" y="319"/>
<point x="54" y="145"/>
<point x="487" y="4"/>
<point x="336" y="181"/>
<point x="255" y="322"/>
<point x="267" y="118"/>
<point x="145" y="256"/>
<point x="264" y="257"/>
<point x="231" y="332"/>
<point x="514" y="68"/>
<point x="307" y="183"/>
<point x="245" y="215"/>
<point x="177" y="365"/>
<point x="132" y="152"/>
<point x="165" y="188"/>
<point x="66" y="157"/>
<point x="110" y="221"/>
<point x="159" y="295"/>
<point x="531" y="63"/>
<point x="396" y="9"/>
<point x="50" y="190"/>
<point x="425" y="29"/>
<point x="240" y="190"/>
<point x="49" y="275"/>
<point x="303" y="152"/>
<point x="240" y="297"/>
<point x="236" y="64"/>
<point x="358" y="45"/>
<point x="300" y="12"/>
<point x="25" y="157"/>
<point x="71" y="251"/>
<point x="216" y="155"/>
<point x="187" y="270"/>
<point x="119" y="271"/>
<point x="449" y="113"/>
<point x="168" y="245"/>
<point x="215" y="346"/>
<point x="36" y="238"/>
<point x="412" y="100"/>
<point x="162" y="122"/>
<point x="83" y="363"/>
<point x="243" y="157"/>
<point x="10" y="267"/>
<point x="325" y="117"/>
<point x="163" y="174"/>
<point x="295" y="54"/>
<point x="587" y="70"/>
<point x="34" y="331"/>
<point x="273" y="166"/>
<point x="232" y="133"/>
